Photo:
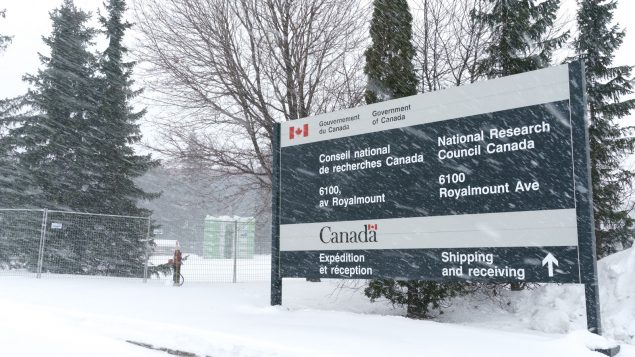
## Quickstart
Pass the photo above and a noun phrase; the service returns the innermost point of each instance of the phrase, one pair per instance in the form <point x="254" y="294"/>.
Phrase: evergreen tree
<point x="418" y="296"/>
<point x="389" y="58"/>
<point x="12" y="180"/>
<point x="520" y="41"/>
<point x="4" y="40"/>
<point x="50" y="140"/>
<point x="8" y="188"/>
<point x="391" y="75"/>
<point x="610" y="143"/>
<point x="116" y="125"/>
<point x="115" y="164"/>
<point x="74" y="146"/>
<point x="46" y="139"/>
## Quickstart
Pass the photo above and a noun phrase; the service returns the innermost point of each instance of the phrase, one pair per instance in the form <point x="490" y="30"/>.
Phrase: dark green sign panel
<point x="486" y="182"/>
<point x="474" y="183"/>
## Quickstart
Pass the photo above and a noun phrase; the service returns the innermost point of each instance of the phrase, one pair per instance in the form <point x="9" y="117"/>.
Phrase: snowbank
<point x="617" y="295"/>
<point x="560" y="308"/>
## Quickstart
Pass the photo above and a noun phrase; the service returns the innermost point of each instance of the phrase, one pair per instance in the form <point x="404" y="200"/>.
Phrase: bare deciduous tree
<point x="432" y="20"/>
<point x="449" y="42"/>
<point x="233" y="68"/>
<point x="469" y="42"/>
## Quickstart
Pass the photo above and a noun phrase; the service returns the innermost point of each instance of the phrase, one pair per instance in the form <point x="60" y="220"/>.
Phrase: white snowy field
<point x="95" y="317"/>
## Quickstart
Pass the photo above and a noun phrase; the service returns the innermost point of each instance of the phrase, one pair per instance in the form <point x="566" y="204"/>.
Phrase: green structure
<point x="224" y="235"/>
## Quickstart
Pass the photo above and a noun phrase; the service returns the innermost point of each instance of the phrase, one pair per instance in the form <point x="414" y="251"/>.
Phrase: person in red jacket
<point x="177" y="260"/>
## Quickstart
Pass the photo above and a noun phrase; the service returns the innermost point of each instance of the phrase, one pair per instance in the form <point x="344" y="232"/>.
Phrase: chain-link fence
<point x="20" y="241"/>
<point x="50" y="243"/>
<point x="216" y="249"/>
<point x="97" y="245"/>
<point x="47" y="243"/>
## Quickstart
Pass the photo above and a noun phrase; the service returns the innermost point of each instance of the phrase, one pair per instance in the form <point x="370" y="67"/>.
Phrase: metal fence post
<point x="40" y="257"/>
<point x="235" y="248"/>
<point x="145" y="266"/>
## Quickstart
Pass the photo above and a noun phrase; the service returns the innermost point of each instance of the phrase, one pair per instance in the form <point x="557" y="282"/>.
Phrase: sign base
<point x="612" y="351"/>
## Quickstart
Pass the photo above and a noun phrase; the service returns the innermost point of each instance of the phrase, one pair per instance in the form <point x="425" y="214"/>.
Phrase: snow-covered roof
<point x="229" y="218"/>
<point x="165" y="242"/>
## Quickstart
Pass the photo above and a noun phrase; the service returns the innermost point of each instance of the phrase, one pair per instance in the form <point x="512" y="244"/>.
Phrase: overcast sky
<point x="28" y="20"/>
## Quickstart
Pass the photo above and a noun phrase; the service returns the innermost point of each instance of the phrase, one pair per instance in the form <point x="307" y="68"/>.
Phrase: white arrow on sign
<point x="550" y="260"/>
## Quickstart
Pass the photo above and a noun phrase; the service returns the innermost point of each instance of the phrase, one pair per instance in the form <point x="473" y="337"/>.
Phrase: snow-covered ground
<point x="95" y="317"/>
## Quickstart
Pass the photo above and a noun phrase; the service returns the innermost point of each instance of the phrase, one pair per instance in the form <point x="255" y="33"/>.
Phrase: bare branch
<point x="234" y="68"/>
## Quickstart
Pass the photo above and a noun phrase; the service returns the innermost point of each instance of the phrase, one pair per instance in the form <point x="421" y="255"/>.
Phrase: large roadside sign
<point x="484" y="182"/>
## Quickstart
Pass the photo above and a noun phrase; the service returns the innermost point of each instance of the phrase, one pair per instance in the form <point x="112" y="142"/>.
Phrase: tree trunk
<point x="414" y="309"/>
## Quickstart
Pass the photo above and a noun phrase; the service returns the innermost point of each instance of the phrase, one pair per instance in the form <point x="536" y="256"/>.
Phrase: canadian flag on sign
<point x="303" y="131"/>
<point x="372" y="227"/>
